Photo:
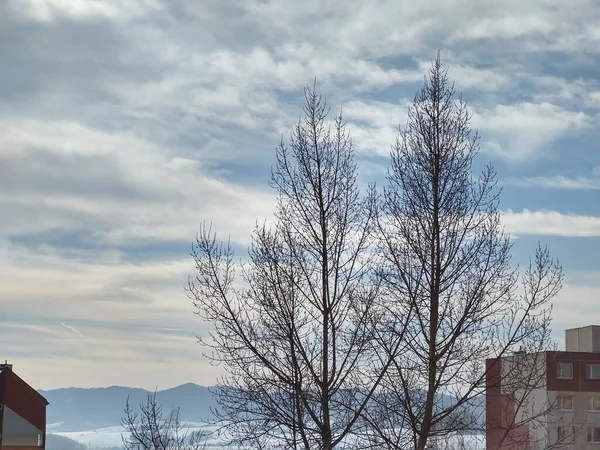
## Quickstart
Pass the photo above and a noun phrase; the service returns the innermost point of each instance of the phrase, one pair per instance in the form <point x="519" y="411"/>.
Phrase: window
<point x="565" y="434"/>
<point x="594" y="403"/>
<point x="564" y="371"/>
<point x="593" y="435"/>
<point x="592" y="371"/>
<point x="565" y="402"/>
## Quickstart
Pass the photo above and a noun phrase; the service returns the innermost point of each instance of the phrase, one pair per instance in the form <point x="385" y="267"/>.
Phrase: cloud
<point x="559" y="90"/>
<point x="550" y="223"/>
<point x="558" y="182"/>
<point x="507" y="27"/>
<point x="472" y="78"/>
<point x="49" y="10"/>
<point x="124" y="125"/>
<point x="524" y="131"/>
<point x="533" y="26"/>
<point x="374" y="125"/>
<point x="138" y="313"/>
<point x="585" y="294"/>
<point x="113" y="195"/>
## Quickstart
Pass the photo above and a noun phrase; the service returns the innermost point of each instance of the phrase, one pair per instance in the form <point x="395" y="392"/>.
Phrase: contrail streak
<point x="72" y="329"/>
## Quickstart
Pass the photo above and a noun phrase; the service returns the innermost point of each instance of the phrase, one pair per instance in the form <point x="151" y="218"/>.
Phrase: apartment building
<point x="22" y="413"/>
<point x="560" y="408"/>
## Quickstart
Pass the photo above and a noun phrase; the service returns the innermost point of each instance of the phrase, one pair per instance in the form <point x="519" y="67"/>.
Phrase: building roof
<point x="8" y="376"/>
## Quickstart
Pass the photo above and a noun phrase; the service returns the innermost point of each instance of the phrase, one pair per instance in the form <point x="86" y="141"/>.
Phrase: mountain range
<point x="78" y="409"/>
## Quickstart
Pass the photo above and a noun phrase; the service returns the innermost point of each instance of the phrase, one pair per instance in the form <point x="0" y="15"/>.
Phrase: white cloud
<point x="556" y="182"/>
<point x="523" y="131"/>
<point x="550" y="223"/>
<point x="498" y="27"/>
<point x="575" y="306"/>
<point x="579" y="92"/>
<point x="468" y="77"/>
<point x="532" y="26"/>
<point x="353" y="28"/>
<point x="48" y="10"/>
<point x="594" y="98"/>
<point x="374" y="125"/>
<point x="141" y="193"/>
<point x="387" y="27"/>
<point x="130" y="312"/>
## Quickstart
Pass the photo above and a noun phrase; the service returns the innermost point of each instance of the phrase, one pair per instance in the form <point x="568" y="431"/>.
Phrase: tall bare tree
<point x="294" y="336"/>
<point x="447" y="264"/>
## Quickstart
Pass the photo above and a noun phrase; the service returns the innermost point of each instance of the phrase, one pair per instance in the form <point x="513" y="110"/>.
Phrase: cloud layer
<point x="124" y="125"/>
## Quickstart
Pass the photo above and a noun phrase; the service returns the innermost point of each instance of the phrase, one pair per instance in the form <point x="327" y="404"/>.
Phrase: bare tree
<point x="153" y="429"/>
<point x="447" y="264"/>
<point x="295" y="335"/>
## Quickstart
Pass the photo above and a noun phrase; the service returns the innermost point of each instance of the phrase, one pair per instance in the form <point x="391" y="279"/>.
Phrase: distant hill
<point x="79" y="409"/>
<point x="57" y="442"/>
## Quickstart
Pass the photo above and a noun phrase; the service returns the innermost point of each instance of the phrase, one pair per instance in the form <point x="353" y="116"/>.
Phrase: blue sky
<point x="125" y="124"/>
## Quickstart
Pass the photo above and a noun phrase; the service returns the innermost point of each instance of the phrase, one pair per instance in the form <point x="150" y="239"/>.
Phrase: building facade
<point x="22" y="413"/>
<point x="555" y="400"/>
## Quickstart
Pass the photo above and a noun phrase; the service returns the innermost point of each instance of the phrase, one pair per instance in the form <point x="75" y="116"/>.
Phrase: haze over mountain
<point x="57" y="442"/>
<point x="78" y="409"/>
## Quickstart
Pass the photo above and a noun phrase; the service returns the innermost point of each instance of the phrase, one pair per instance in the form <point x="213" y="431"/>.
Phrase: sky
<point x="125" y="124"/>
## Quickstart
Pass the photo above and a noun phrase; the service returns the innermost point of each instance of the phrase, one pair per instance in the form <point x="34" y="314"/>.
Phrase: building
<point x="546" y="400"/>
<point x="22" y="413"/>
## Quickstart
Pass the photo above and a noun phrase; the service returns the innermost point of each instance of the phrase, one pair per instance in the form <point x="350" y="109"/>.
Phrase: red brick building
<point x="565" y="403"/>
<point x="22" y="413"/>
